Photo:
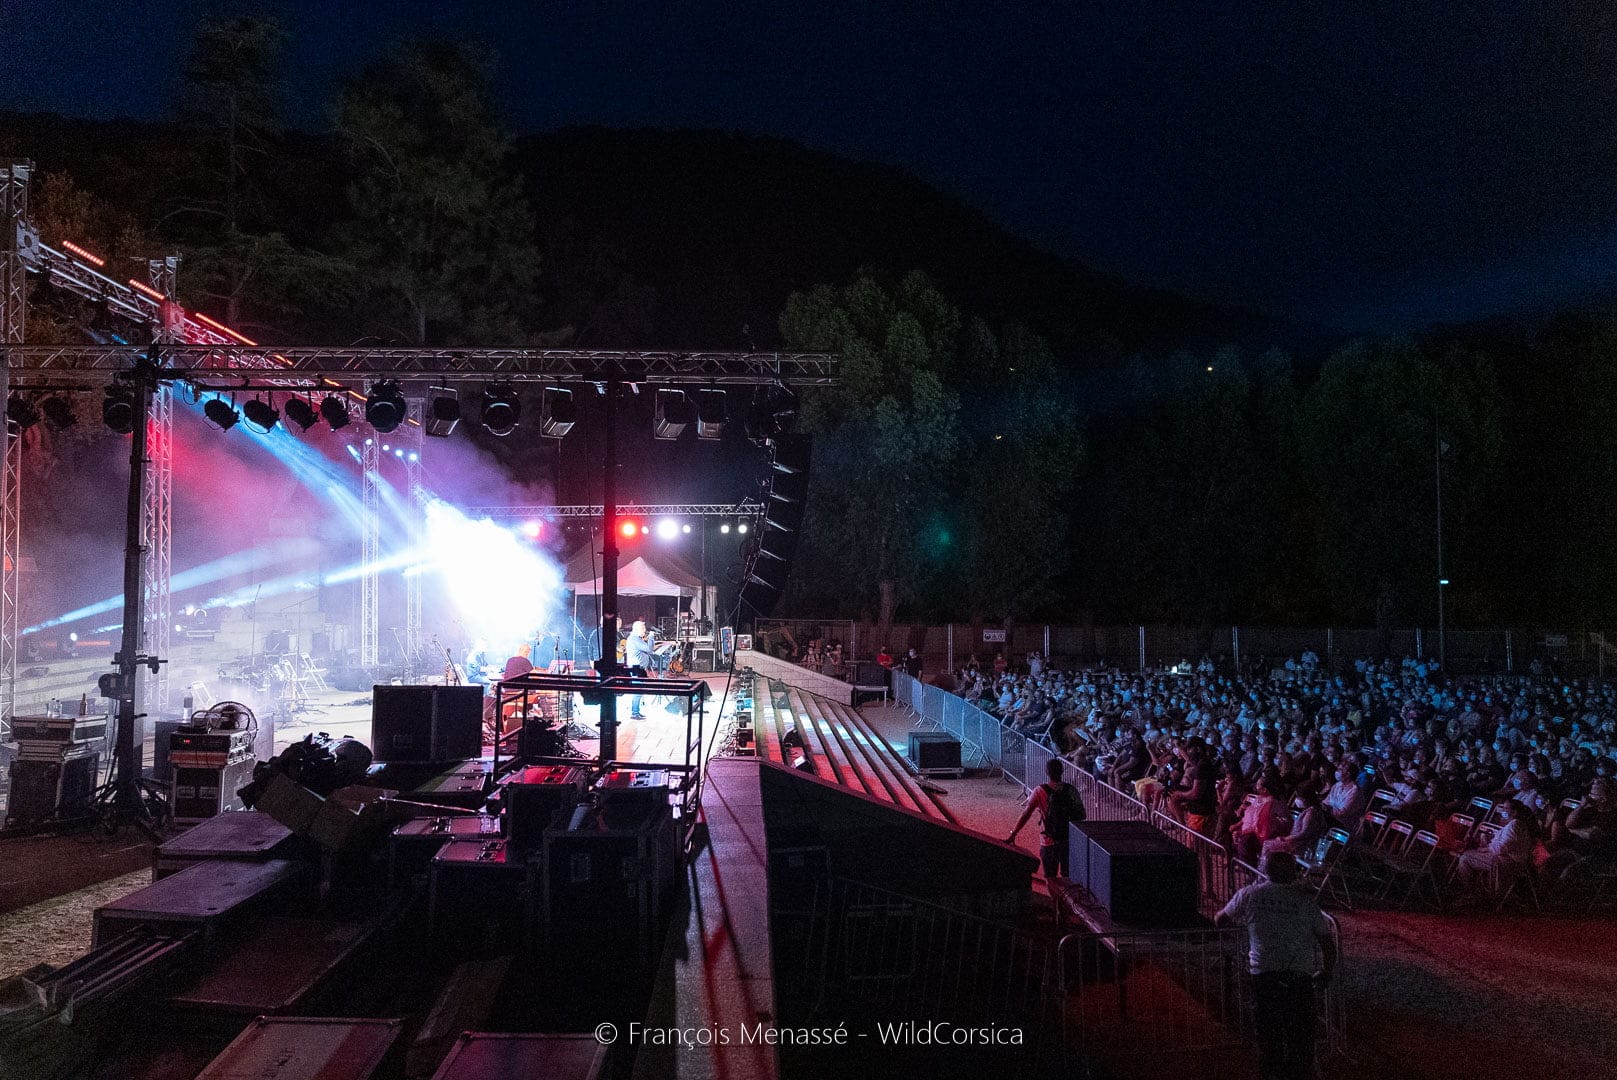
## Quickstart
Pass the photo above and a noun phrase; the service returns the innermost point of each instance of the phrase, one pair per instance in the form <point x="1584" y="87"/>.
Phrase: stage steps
<point x="888" y="761"/>
<point x="845" y="749"/>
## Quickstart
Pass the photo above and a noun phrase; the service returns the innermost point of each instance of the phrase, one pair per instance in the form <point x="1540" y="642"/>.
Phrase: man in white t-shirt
<point x="1284" y="924"/>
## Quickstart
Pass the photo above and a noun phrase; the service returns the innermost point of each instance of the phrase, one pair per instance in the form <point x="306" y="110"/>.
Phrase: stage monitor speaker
<point x="934" y="751"/>
<point x="1139" y="875"/>
<point x="426" y="723"/>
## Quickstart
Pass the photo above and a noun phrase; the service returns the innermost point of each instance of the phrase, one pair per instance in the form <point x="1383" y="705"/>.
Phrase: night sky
<point x="1378" y="165"/>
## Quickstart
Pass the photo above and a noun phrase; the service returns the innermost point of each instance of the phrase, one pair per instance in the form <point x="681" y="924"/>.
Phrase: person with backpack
<point x="1058" y="805"/>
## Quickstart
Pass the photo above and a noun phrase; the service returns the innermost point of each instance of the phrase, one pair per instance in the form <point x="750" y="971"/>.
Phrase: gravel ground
<point x="57" y="931"/>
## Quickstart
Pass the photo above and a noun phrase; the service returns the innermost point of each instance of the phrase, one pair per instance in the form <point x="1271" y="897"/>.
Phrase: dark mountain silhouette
<point x="690" y="238"/>
<point x="700" y="236"/>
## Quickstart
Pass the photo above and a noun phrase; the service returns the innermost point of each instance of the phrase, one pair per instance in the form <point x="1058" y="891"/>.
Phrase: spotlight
<point x="413" y="456"/>
<point x="443" y="412"/>
<point x="59" y="411"/>
<point x="667" y="529"/>
<point x="335" y="410"/>
<point x="301" y="413"/>
<point x="501" y="410"/>
<point x="22" y="412"/>
<point x="725" y="528"/>
<point x="387" y="448"/>
<point x="685" y="528"/>
<point x="221" y="412"/>
<point x="711" y="414"/>
<point x="742" y="528"/>
<point x="672" y="414"/>
<point x="629" y="529"/>
<point x="533" y="529"/>
<point x="399" y="453"/>
<point x="557" y="412"/>
<point x="261" y="415"/>
<point x="644" y="529"/>
<point x="118" y="409"/>
<point x="385" y="407"/>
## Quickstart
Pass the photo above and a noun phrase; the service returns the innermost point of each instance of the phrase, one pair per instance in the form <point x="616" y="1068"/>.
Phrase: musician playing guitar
<point x="637" y="652"/>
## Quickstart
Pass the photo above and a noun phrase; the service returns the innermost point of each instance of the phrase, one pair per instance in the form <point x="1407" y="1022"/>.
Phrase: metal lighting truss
<point x="746" y="508"/>
<point x="370" y="552"/>
<point x="13" y="314"/>
<point x="222" y="364"/>
<point x="194" y="348"/>
<point x="157" y="510"/>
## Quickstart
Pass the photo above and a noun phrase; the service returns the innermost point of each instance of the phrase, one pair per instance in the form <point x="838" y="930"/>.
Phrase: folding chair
<point x="1509" y="878"/>
<point x="1371" y="826"/>
<point x="1382" y="798"/>
<point x="1464" y="826"/>
<point x="1479" y="808"/>
<point x="1325" y="869"/>
<point x="1415" y="865"/>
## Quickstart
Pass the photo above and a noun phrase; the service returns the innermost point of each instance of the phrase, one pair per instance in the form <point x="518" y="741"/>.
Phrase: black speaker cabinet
<point x="1138" y="874"/>
<point x="426" y="723"/>
<point x="935" y="753"/>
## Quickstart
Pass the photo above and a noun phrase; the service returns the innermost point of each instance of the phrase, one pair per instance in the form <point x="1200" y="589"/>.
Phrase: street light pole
<point x="1442" y="582"/>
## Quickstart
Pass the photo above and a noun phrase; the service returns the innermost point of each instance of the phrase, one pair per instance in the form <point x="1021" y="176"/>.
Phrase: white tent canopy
<point x="650" y="573"/>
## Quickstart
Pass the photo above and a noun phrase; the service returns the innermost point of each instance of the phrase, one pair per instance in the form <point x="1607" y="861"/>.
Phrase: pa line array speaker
<point x="771" y="561"/>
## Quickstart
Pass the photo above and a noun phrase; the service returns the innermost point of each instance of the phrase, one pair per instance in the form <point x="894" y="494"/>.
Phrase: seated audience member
<point x="1510" y="849"/>
<point x="1587" y="839"/>
<point x="1310" y="822"/>
<point x="1346" y="801"/>
<point x="1264" y="818"/>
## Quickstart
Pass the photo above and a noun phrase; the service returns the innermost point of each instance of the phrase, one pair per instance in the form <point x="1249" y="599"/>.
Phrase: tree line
<point x="963" y="467"/>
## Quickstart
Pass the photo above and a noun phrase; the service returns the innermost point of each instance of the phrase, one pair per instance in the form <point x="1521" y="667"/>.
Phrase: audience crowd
<point x="1274" y="761"/>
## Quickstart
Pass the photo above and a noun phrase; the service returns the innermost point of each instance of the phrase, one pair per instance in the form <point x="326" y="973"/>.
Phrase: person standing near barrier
<point x="1058" y="805"/>
<point x="1284" y="923"/>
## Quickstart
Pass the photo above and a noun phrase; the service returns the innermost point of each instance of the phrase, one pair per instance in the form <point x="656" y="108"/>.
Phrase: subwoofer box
<point x="426" y="723"/>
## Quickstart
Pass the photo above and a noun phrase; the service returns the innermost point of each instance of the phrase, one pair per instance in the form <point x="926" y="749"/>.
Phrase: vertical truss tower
<point x="157" y="503"/>
<point x="13" y="315"/>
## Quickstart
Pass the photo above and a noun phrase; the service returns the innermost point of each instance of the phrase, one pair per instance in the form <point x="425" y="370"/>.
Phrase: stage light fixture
<point x="533" y="529"/>
<point x="742" y="528"/>
<point x="301" y="412"/>
<point x="501" y="410"/>
<point x="387" y="448"/>
<point x="644" y="529"/>
<point x="262" y="416"/>
<point x="557" y="412"/>
<point x="671" y="414"/>
<point x="629" y="529"/>
<point x="385" y="407"/>
<point x="711" y="414"/>
<point x="774" y="412"/>
<point x="118" y="409"/>
<point x="667" y="529"/>
<point x="725" y="528"/>
<point x="686" y="528"/>
<point x="221" y="412"/>
<point x="443" y="412"/>
<point x="22" y="412"/>
<point x="335" y="410"/>
<point x="59" y="412"/>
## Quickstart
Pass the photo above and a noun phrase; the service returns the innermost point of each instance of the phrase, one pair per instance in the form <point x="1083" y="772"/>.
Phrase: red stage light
<point x="74" y="249"/>
<point x="629" y="529"/>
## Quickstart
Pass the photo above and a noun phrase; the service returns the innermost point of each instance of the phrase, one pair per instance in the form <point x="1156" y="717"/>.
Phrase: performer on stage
<point x="637" y="658"/>
<point x="519" y="664"/>
<point x="477" y="663"/>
